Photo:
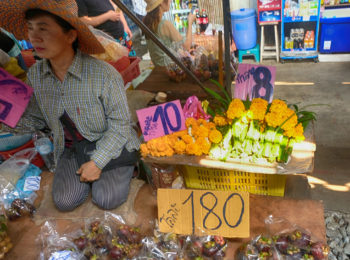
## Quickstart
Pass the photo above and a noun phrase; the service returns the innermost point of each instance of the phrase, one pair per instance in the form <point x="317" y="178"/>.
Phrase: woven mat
<point x="48" y="211"/>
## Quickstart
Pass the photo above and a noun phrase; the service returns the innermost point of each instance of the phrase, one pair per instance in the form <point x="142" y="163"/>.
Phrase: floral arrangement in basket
<point x="253" y="131"/>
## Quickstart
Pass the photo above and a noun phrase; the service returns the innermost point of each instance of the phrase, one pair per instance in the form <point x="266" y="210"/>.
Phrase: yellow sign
<point x="204" y="212"/>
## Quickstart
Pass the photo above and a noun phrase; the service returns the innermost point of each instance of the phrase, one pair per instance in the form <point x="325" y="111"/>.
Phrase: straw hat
<point x="152" y="4"/>
<point x="12" y="19"/>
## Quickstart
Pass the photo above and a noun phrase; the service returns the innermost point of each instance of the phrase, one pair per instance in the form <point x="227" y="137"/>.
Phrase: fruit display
<point x="101" y="242"/>
<point x="285" y="246"/>
<point x="5" y="241"/>
<point x="19" y="208"/>
<point x="175" y="73"/>
<point x="206" y="247"/>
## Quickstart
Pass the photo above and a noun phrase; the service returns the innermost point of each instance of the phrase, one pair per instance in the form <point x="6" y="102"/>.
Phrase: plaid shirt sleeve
<point x="119" y="121"/>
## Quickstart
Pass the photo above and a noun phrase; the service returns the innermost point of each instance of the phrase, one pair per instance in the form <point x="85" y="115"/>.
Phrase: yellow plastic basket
<point x="219" y="179"/>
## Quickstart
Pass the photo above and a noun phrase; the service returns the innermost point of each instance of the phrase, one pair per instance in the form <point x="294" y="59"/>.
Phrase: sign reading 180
<point x="161" y="120"/>
<point x="222" y="213"/>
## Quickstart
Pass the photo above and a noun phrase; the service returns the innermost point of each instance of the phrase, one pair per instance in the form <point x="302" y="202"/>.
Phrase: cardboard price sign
<point x="160" y="120"/>
<point x="14" y="98"/>
<point x="255" y="81"/>
<point x="224" y="213"/>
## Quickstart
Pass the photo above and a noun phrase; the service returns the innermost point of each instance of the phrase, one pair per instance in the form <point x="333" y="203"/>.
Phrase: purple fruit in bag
<point x="319" y="251"/>
<point x="80" y="242"/>
<point x="300" y="239"/>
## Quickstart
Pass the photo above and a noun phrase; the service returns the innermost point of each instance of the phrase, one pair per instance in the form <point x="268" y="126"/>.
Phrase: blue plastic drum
<point x="244" y="28"/>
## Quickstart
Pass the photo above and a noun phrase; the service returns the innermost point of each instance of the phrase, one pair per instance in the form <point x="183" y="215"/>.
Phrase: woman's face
<point x="48" y="38"/>
<point x="165" y="5"/>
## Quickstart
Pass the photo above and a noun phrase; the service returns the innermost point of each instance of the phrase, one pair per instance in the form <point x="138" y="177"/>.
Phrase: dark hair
<point x="66" y="27"/>
<point x="152" y="19"/>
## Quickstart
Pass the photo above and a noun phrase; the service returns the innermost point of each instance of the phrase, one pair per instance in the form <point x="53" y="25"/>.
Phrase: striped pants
<point x="108" y="192"/>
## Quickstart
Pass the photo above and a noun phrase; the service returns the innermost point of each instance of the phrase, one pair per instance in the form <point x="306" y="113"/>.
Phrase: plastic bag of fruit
<point x="260" y="248"/>
<point x="204" y="247"/>
<point x="167" y="246"/>
<point x="113" y="49"/>
<point x="108" y="238"/>
<point x="294" y="242"/>
<point x="54" y="246"/>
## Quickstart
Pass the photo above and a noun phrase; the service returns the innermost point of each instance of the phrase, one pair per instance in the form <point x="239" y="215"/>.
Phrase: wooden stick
<point x="221" y="74"/>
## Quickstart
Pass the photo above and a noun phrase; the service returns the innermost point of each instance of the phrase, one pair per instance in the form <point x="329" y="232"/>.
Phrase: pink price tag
<point x="14" y="98"/>
<point x="255" y="81"/>
<point x="160" y="120"/>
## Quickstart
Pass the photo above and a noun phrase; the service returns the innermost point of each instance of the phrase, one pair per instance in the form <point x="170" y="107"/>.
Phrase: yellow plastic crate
<point x="219" y="179"/>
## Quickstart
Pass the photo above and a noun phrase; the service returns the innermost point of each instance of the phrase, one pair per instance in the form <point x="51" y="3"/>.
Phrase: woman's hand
<point x="191" y="18"/>
<point x="89" y="172"/>
<point x="113" y="15"/>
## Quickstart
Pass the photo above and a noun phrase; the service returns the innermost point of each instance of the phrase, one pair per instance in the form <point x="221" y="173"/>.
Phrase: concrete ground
<point x="327" y="85"/>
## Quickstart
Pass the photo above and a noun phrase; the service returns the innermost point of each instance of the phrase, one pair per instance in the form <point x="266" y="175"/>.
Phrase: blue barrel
<point x="244" y="28"/>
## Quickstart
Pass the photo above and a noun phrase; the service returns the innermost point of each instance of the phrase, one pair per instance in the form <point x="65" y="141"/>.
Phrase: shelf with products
<point x="181" y="11"/>
<point x="299" y="29"/>
<point x="312" y="18"/>
<point x="337" y="5"/>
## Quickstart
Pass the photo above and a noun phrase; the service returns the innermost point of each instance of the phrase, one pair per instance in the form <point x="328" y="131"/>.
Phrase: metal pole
<point x="227" y="30"/>
<point x="150" y="35"/>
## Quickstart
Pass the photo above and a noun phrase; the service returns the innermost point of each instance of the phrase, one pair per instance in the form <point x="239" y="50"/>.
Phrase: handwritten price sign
<point x="14" y="98"/>
<point x="224" y="213"/>
<point x="161" y="120"/>
<point x="255" y="81"/>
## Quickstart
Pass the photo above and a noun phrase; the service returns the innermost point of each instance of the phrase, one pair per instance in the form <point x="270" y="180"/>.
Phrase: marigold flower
<point x="278" y="106"/>
<point x="187" y="139"/>
<point x="180" y="133"/>
<point x="180" y="147"/>
<point x="172" y="139"/>
<point x="202" y="131"/>
<point x="235" y="109"/>
<point x="215" y="136"/>
<point x="193" y="149"/>
<point x="211" y="126"/>
<point x="144" y="150"/>
<point x="190" y="122"/>
<point x="258" y="108"/>
<point x="291" y="122"/>
<point x="203" y="144"/>
<point x="220" y="120"/>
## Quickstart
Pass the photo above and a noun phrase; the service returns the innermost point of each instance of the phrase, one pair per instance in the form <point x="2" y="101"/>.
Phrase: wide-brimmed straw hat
<point x="12" y="19"/>
<point x="152" y="4"/>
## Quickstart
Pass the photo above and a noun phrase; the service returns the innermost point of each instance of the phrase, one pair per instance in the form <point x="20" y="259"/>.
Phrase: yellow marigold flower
<point x="215" y="136"/>
<point x="201" y="121"/>
<point x="193" y="149"/>
<point x="193" y="130"/>
<point x="180" y="133"/>
<point x="203" y="144"/>
<point x="278" y="106"/>
<point x="220" y="120"/>
<point x="235" y="109"/>
<point x="152" y="145"/>
<point x="299" y="132"/>
<point x="144" y="150"/>
<point x="187" y="139"/>
<point x="190" y="122"/>
<point x="211" y="126"/>
<point x="180" y="147"/>
<point x="291" y="122"/>
<point x="203" y="131"/>
<point x="172" y="139"/>
<point x="258" y="108"/>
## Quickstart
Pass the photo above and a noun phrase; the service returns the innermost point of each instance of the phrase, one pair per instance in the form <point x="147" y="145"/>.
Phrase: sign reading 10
<point x="162" y="113"/>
